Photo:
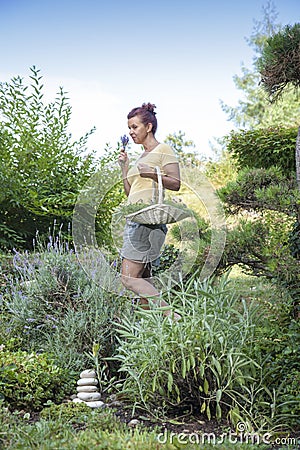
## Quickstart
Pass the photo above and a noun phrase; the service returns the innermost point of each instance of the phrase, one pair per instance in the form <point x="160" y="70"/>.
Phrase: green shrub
<point x="194" y="237"/>
<point x="167" y="258"/>
<point x="261" y="236"/>
<point x="29" y="380"/>
<point x="43" y="171"/>
<point x="294" y="240"/>
<point x="263" y="148"/>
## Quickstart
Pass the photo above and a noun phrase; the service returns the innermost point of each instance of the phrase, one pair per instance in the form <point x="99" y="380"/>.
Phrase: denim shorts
<point x="143" y="243"/>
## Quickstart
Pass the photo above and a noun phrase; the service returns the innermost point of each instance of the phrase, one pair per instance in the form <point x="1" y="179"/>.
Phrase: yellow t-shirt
<point x="141" y="188"/>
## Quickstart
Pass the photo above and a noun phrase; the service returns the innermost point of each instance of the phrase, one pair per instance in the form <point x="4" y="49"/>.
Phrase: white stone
<point x="77" y="400"/>
<point x="87" y="382"/>
<point x="89" y="373"/>
<point x="87" y="389"/>
<point x="89" y="396"/>
<point x="97" y="404"/>
<point x="133" y="423"/>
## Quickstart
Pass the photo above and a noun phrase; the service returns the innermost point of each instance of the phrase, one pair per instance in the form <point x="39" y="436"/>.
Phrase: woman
<point x="142" y="243"/>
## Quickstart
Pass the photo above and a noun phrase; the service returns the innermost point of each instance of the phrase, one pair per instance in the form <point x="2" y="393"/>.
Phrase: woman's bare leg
<point x="147" y="276"/>
<point x="132" y="278"/>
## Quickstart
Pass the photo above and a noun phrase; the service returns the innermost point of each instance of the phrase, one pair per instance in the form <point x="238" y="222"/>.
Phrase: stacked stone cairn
<point x="87" y="389"/>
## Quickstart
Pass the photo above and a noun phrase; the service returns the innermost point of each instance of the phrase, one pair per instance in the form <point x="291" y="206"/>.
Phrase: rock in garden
<point x="87" y="389"/>
<point x="89" y="396"/>
<point x="97" y="404"/>
<point x="89" y="373"/>
<point x="133" y="423"/>
<point x="87" y="382"/>
<point x="77" y="400"/>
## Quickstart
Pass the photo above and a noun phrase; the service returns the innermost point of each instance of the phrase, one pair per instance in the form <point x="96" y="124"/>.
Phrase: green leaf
<point x="218" y="411"/>
<point x="183" y="368"/>
<point x="201" y="370"/>
<point x="208" y="413"/>
<point x="218" y="395"/>
<point x="217" y="365"/>
<point x="206" y="386"/>
<point x="170" y="382"/>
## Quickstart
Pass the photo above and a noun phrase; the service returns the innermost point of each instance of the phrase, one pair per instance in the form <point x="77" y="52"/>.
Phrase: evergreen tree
<point x="279" y="67"/>
<point x="255" y="110"/>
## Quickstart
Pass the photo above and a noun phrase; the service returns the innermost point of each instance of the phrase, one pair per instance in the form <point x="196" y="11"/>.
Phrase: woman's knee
<point x="127" y="281"/>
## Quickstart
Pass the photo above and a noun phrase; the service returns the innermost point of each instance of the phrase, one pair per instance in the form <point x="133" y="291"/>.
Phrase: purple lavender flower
<point x="124" y="140"/>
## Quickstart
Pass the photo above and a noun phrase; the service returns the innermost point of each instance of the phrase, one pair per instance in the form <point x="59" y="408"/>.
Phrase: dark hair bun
<point x="149" y="107"/>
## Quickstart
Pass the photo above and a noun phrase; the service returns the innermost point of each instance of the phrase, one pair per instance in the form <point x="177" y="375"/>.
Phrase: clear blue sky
<point x="111" y="56"/>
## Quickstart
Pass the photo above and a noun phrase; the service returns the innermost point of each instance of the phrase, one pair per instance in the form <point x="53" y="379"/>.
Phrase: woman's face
<point x="137" y="130"/>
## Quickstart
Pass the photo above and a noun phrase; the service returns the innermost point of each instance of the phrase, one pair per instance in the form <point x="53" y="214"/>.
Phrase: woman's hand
<point x="123" y="160"/>
<point x="170" y="179"/>
<point x="146" y="171"/>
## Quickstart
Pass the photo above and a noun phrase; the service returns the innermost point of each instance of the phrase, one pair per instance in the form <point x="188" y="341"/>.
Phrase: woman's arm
<point x="171" y="178"/>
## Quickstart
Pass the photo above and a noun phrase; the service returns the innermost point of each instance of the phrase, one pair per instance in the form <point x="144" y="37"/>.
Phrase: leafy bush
<point x="294" y="240"/>
<point x="195" y="242"/>
<point x="42" y="171"/>
<point x="167" y="258"/>
<point x="29" y="380"/>
<point x="264" y="148"/>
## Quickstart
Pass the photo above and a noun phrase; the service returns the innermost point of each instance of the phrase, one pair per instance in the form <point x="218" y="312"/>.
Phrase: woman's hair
<point x="146" y="114"/>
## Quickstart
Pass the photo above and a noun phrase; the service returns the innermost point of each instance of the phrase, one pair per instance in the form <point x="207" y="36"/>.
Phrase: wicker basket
<point x="158" y="213"/>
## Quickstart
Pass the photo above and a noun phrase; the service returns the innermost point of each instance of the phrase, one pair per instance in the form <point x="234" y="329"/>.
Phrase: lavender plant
<point x="53" y="305"/>
<point x="124" y="141"/>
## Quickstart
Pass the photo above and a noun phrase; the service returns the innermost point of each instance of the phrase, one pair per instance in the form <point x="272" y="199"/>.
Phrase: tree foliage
<point x="254" y="109"/>
<point x="257" y="190"/>
<point x="183" y="148"/>
<point x="264" y="148"/>
<point x="279" y="64"/>
<point x="263" y="201"/>
<point x="263" y="206"/>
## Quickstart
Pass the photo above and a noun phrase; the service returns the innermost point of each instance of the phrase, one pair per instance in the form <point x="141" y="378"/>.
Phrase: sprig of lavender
<point x="124" y="140"/>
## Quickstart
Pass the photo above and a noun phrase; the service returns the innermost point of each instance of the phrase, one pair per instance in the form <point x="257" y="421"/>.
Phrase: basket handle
<point x="160" y="187"/>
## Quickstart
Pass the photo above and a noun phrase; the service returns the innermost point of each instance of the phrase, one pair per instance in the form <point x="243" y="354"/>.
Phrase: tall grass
<point x="201" y="363"/>
<point x="212" y="362"/>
